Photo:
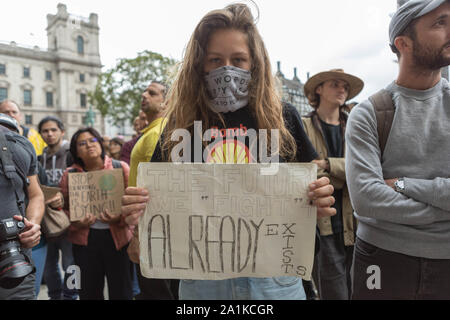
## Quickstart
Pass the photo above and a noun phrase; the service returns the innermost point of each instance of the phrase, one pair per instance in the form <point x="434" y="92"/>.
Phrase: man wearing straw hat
<point x="400" y="187"/>
<point x="327" y="93"/>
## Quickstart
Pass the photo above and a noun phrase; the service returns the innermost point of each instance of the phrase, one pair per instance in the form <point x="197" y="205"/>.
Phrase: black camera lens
<point x="14" y="265"/>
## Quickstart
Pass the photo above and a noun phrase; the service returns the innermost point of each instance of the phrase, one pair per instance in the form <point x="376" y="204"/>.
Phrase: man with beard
<point x="54" y="160"/>
<point x="400" y="190"/>
<point x="154" y="108"/>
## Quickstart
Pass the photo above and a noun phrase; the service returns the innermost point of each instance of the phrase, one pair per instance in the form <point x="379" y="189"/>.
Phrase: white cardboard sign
<point x="215" y="222"/>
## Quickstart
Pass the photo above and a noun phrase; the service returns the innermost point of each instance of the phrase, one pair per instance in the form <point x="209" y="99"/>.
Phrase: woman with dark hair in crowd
<point x="99" y="243"/>
<point x="115" y="147"/>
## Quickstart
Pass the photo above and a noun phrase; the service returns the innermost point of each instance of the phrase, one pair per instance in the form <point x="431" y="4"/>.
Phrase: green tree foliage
<point x="118" y="92"/>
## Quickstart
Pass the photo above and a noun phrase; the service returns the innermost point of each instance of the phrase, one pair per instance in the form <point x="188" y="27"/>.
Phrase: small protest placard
<point x="94" y="192"/>
<point x="215" y="222"/>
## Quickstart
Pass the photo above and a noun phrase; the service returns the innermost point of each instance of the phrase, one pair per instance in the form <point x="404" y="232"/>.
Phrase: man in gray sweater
<point x="402" y="197"/>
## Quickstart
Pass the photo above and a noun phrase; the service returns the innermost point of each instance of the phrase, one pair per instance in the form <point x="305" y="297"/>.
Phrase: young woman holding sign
<point x="225" y="81"/>
<point x="99" y="244"/>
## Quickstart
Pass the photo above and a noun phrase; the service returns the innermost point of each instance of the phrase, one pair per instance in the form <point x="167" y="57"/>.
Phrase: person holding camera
<point x="22" y="211"/>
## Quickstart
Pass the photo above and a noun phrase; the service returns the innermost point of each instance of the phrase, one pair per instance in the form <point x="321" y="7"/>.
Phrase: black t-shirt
<point x="24" y="158"/>
<point x="335" y="147"/>
<point x="333" y="137"/>
<point x="241" y="123"/>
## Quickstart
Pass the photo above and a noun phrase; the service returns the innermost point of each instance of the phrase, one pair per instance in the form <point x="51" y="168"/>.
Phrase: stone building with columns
<point x="55" y="81"/>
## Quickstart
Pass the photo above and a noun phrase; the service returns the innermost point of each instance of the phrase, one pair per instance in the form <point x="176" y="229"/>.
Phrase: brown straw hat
<point x="355" y="83"/>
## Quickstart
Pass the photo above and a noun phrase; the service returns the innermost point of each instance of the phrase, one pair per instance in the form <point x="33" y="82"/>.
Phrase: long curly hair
<point x="188" y="98"/>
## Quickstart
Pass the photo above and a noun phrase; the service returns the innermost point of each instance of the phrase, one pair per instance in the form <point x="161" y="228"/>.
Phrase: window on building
<point x="48" y="75"/>
<point x="49" y="98"/>
<point x="28" y="119"/>
<point x="26" y="72"/>
<point x="27" y="97"/>
<point x="83" y="101"/>
<point x="82" y="77"/>
<point x="80" y="45"/>
<point x="2" y="68"/>
<point x="3" y="94"/>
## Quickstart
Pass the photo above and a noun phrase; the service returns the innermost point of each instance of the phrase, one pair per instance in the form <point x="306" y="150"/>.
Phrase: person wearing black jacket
<point x="30" y="200"/>
<point x="226" y="84"/>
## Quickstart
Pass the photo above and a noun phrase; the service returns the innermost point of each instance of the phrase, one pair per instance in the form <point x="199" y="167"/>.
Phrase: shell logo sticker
<point x="229" y="151"/>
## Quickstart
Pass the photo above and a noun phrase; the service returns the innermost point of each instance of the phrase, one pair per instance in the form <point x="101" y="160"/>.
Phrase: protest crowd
<point x="382" y="193"/>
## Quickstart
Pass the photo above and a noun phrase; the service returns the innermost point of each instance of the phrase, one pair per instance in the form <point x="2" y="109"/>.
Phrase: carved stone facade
<point x="292" y="92"/>
<point x="55" y="81"/>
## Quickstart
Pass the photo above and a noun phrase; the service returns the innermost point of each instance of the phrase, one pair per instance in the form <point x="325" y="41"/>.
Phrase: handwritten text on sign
<point x="94" y="192"/>
<point x="212" y="222"/>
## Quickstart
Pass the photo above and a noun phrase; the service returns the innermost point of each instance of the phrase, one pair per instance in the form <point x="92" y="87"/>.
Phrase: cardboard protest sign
<point x="94" y="192"/>
<point x="49" y="192"/>
<point x="214" y="222"/>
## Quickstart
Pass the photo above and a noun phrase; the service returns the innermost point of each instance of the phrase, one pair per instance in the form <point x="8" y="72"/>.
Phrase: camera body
<point x="14" y="264"/>
<point x="10" y="229"/>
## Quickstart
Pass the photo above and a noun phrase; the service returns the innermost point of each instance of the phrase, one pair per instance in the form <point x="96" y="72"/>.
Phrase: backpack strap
<point x="26" y="131"/>
<point x="385" y="111"/>
<point x="9" y="168"/>
<point x="116" y="164"/>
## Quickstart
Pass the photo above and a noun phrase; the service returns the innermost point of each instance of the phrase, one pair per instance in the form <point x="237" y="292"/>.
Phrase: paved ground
<point x="43" y="293"/>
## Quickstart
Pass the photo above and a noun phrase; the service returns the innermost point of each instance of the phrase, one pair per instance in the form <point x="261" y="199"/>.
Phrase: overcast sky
<point x="313" y="36"/>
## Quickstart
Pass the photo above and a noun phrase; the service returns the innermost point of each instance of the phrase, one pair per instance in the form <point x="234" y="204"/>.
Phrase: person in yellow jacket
<point x="11" y="108"/>
<point x="327" y="93"/>
<point x="154" y="108"/>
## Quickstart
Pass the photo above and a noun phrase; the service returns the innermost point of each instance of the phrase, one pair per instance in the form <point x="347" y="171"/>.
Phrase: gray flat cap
<point x="411" y="10"/>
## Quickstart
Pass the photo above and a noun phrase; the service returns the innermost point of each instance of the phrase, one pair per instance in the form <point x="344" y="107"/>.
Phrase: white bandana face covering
<point x="228" y="88"/>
